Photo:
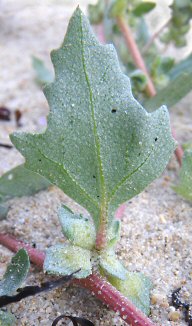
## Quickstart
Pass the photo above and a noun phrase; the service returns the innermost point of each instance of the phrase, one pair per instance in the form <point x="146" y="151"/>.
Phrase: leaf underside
<point x="100" y="147"/>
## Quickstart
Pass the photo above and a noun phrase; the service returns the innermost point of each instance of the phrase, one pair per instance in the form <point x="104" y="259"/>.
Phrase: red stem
<point x="179" y="150"/>
<point x="135" y="53"/>
<point x="94" y="282"/>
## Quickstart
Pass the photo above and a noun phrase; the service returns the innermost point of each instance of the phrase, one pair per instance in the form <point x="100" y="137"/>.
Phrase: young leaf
<point x="184" y="188"/>
<point x="143" y="8"/>
<point x="111" y="265"/>
<point x="77" y="229"/>
<point x="118" y="8"/>
<point x="7" y="319"/>
<point x="100" y="147"/>
<point x="114" y="233"/>
<point x="66" y="259"/>
<point x="136" y="287"/>
<point x="96" y="12"/>
<point x="15" y="274"/>
<point x="20" y="182"/>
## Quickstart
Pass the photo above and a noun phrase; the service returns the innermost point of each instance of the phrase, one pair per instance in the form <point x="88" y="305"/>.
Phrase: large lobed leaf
<point x="100" y="147"/>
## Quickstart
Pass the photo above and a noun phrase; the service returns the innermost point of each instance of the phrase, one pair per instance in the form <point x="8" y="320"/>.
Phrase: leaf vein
<point x="69" y="175"/>
<point x="124" y="179"/>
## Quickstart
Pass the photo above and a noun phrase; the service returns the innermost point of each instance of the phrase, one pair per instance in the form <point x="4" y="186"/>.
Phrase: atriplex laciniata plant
<point x="101" y="148"/>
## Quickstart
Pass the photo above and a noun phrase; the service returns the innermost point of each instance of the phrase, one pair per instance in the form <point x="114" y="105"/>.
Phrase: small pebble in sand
<point x="174" y="315"/>
<point x="159" y="299"/>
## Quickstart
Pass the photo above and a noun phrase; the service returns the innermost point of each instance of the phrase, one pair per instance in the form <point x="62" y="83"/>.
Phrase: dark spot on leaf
<point x="94" y="177"/>
<point x="39" y="160"/>
<point x="113" y="110"/>
<point x="97" y="196"/>
<point x="156" y="139"/>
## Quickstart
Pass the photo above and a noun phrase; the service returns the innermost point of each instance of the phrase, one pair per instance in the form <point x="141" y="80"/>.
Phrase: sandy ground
<point x="157" y="229"/>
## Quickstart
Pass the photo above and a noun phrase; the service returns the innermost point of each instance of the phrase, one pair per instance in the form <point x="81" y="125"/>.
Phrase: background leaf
<point x="43" y="74"/>
<point x="20" y="182"/>
<point x="3" y="211"/>
<point x="7" y="319"/>
<point x="172" y="93"/>
<point x="184" y="188"/>
<point x="183" y="66"/>
<point x="100" y="147"/>
<point x="15" y="274"/>
<point x="143" y="8"/>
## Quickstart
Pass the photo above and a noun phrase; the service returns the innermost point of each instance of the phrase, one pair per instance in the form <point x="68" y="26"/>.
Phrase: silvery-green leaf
<point x="137" y="288"/>
<point x="7" y="319"/>
<point x="100" y="147"/>
<point x="77" y="228"/>
<point x="114" y="232"/>
<point x="65" y="259"/>
<point x="20" y="182"/>
<point x="184" y="188"/>
<point x="16" y="273"/>
<point x="110" y="264"/>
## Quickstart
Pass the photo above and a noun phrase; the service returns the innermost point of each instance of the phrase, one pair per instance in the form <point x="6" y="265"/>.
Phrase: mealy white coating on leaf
<point x="100" y="147"/>
<point x="65" y="259"/>
<point x="136" y="287"/>
<point x="113" y="234"/>
<point x="110" y="264"/>
<point x="79" y="230"/>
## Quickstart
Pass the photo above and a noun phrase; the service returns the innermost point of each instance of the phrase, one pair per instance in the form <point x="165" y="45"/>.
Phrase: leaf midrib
<point x="103" y="195"/>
